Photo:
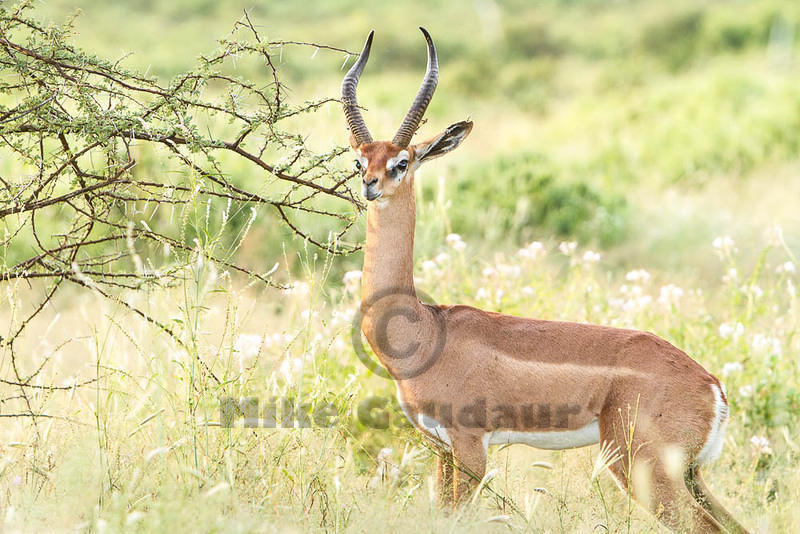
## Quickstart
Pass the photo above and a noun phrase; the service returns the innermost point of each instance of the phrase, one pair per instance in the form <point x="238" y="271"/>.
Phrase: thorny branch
<point x="115" y="182"/>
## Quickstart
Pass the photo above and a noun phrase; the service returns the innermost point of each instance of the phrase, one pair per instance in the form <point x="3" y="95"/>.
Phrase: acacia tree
<point x="77" y="206"/>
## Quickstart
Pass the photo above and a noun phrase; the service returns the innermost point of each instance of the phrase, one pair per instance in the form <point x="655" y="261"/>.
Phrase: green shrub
<point x="528" y="37"/>
<point x="674" y="40"/>
<point x="523" y="197"/>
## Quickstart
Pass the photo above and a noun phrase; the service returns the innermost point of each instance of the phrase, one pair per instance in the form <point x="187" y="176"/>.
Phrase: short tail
<point x="697" y="487"/>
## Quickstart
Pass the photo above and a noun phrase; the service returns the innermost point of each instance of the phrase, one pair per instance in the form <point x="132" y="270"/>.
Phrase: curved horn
<point x="351" y="112"/>
<point x="414" y="116"/>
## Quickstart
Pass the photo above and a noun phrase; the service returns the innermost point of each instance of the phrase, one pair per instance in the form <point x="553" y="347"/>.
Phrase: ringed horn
<point x="414" y="116"/>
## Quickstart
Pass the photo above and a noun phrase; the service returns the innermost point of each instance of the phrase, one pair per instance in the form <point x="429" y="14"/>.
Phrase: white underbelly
<point x="555" y="440"/>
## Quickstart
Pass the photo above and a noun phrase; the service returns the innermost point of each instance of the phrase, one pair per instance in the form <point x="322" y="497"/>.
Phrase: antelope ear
<point x="444" y="142"/>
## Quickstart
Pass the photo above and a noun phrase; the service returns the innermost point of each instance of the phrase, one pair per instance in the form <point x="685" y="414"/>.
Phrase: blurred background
<point x="644" y="128"/>
<point x="633" y="163"/>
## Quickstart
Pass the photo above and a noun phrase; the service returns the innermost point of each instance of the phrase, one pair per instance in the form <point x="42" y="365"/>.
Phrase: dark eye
<point x="358" y="165"/>
<point x="402" y="165"/>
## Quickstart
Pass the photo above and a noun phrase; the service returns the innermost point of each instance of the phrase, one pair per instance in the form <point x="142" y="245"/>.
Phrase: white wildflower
<point x="753" y="290"/>
<point x="637" y="303"/>
<point x="724" y="245"/>
<point x="615" y="302"/>
<point x="299" y="289"/>
<point x="246" y="347"/>
<point x="339" y="345"/>
<point x="731" y="367"/>
<point x="278" y="339"/>
<point x="481" y="294"/>
<point x="352" y="281"/>
<point x="787" y="268"/>
<point x="509" y="271"/>
<point x="727" y="330"/>
<point x="567" y="247"/>
<point x="386" y="471"/>
<point x="764" y="344"/>
<point x="775" y="236"/>
<point x="134" y="517"/>
<point x="746" y="391"/>
<point x="289" y="368"/>
<point x="532" y="251"/>
<point x="634" y="290"/>
<point x="528" y="291"/>
<point x="638" y="275"/>
<point x="488" y="272"/>
<point x="731" y="275"/>
<point x="455" y="241"/>
<point x="429" y="266"/>
<point x="761" y="445"/>
<point x="670" y="295"/>
<point x="442" y="258"/>
<point x="591" y="256"/>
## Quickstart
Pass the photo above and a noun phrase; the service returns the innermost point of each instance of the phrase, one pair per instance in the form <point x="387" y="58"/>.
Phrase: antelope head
<point x="384" y="166"/>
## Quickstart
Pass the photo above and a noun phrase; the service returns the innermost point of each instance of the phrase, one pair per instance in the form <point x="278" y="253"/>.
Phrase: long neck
<point x="389" y="252"/>
<point x="398" y="327"/>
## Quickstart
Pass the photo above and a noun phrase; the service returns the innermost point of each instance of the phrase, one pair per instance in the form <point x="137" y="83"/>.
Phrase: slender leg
<point x="700" y="492"/>
<point x="444" y="478"/>
<point x="660" y="490"/>
<point x="470" y="466"/>
<point x="666" y="498"/>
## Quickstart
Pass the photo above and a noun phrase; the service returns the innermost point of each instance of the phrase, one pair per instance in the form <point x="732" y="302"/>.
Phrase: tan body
<point x="468" y="378"/>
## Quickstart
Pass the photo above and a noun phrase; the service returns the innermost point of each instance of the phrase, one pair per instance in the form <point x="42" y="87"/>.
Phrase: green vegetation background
<point x="641" y="127"/>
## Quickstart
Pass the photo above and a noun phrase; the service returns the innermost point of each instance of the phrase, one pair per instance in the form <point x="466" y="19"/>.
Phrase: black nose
<point x="369" y="183"/>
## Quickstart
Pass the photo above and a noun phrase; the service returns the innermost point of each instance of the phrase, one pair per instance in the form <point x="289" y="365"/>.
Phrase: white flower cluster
<point x="670" y="295"/>
<point x="766" y="345"/>
<point x="634" y="300"/>
<point x="787" y="268"/>
<point x="732" y="367"/>
<point x="342" y="316"/>
<point x="435" y="266"/>
<point x="290" y="368"/>
<point x="638" y="276"/>
<point x="455" y="241"/>
<point x="731" y="331"/>
<point x="753" y="290"/>
<point x="246" y="347"/>
<point x="386" y="472"/>
<point x="567" y="248"/>
<point x="761" y="445"/>
<point x="509" y="271"/>
<point x="352" y="281"/>
<point x="591" y="256"/>
<point x="725" y="246"/>
<point x="533" y="251"/>
<point x="486" y="294"/>
<point x="297" y="288"/>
